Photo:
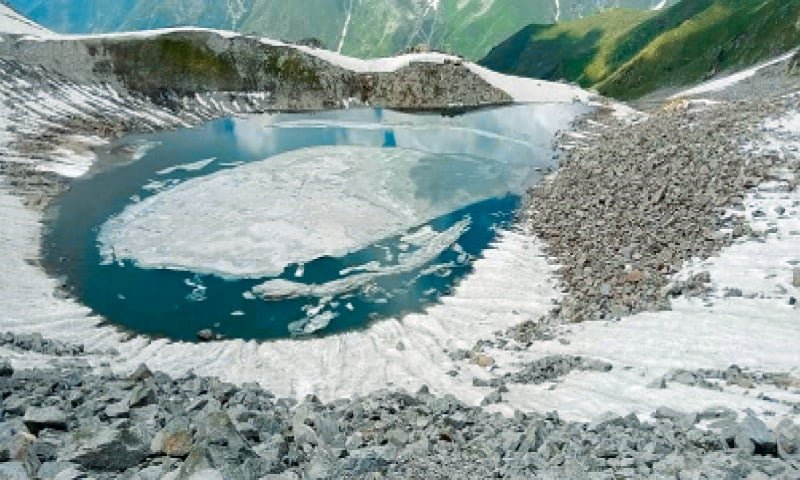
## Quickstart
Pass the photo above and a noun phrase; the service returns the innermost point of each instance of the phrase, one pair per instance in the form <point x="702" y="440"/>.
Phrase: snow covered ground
<point x="759" y="330"/>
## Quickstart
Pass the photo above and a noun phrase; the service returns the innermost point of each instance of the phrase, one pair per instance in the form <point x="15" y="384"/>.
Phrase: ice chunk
<point x="188" y="167"/>
<point x="279" y="288"/>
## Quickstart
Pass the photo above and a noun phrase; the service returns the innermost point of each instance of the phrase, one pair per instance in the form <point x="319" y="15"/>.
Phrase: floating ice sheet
<point x="254" y="220"/>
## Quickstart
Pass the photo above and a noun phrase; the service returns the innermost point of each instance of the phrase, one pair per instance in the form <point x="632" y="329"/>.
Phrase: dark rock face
<point x="5" y="368"/>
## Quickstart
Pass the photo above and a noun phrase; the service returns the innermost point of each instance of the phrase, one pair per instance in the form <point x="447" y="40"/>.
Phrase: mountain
<point x="626" y="53"/>
<point x="365" y="28"/>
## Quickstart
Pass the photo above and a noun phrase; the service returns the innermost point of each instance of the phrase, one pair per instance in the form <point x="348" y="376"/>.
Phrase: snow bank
<point x="13" y="23"/>
<point x="758" y="330"/>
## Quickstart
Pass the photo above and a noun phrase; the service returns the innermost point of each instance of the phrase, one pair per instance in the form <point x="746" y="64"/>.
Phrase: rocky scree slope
<point x="69" y="423"/>
<point x="622" y="217"/>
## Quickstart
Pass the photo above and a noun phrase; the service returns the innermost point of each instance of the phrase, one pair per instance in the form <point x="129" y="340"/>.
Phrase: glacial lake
<point x="288" y="225"/>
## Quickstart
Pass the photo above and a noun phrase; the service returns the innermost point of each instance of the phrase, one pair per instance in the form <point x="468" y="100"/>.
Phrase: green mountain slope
<point x="365" y="28"/>
<point x="626" y="54"/>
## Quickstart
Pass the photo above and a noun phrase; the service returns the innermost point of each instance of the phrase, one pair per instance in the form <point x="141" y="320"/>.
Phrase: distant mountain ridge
<point x="365" y="28"/>
<point x="626" y="53"/>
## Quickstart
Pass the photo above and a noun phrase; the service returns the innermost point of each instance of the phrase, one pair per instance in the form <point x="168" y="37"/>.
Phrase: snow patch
<point x="15" y="24"/>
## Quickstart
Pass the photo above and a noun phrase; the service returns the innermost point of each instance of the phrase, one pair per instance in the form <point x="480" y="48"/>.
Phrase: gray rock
<point x="553" y="367"/>
<point x="371" y="459"/>
<point x="733" y="293"/>
<point x="71" y="473"/>
<point x="796" y="277"/>
<point x="49" y="470"/>
<point x="174" y="440"/>
<point x="141" y="373"/>
<point x="492" y="398"/>
<point x="39" y="418"/>
<point x="754" y="436"/>
<point x="108" y="449"/>
<point x="666" y="413"/>
<point x="321" y="466"/>
<point x="141" y="396"/>
<point x="288" y="475"/>
<point x="715" y="413"/>
<point x="207" y="474"/>
<point x="118" y="410"/>
<point x="218" y="445"/>
<point x="205" y="335"/>
<point x="788" y="438"/>
<point x="13" y="471"/>
<point x="5" y="368"/>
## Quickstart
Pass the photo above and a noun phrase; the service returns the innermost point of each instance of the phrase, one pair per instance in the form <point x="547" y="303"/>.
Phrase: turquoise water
<point x="177" y="304"/>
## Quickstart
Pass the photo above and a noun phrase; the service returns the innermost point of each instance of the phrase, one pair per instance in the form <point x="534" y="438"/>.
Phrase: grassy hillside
<point x="626" y="53"/>
<point x="365" y="28"/>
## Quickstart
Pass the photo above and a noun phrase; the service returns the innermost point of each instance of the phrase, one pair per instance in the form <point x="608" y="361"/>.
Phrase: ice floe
<point x="188" y="167"/>
<point x="254" y="220"/>
<point x="437" y="243"/>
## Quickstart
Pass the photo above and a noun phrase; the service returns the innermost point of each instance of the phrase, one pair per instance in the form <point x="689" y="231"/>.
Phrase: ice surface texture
<point x="254" y="220"/>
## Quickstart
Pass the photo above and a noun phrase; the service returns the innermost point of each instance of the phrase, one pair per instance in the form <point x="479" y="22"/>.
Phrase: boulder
<point x="141" y="373"/>
<point x="753" y="436"/>
<point x="39" y="418"/>
<point x="118" y="410"/>
<point x="175" y="440"/>
<point x="219" y="446"/>
<point x="50" y="470"/>
<point x="108" y="449"/>
<point x="205" y="335"/>
<point x="17" y="445"/>
<point x="141" y="396"/>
